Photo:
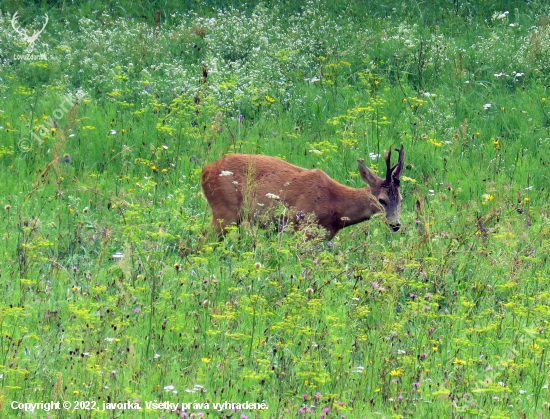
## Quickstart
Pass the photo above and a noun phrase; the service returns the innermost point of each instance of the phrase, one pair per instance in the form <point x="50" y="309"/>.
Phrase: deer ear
<point x="368" y="176"/>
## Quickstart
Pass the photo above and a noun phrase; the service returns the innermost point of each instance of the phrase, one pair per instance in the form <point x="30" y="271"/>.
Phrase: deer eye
<point x="383" y="202"/>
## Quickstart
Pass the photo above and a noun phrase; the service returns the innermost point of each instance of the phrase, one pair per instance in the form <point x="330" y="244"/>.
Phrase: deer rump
<point x="242" y="186"/>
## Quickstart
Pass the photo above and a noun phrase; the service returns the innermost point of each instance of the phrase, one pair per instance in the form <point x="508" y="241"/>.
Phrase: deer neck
<point x="358" y="205"/>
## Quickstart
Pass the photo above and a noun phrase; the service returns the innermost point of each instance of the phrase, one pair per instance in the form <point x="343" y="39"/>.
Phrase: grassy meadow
<point x="108" y="293"/>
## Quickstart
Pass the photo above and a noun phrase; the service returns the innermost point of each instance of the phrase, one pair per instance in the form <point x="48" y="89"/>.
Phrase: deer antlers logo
<point x="30" y="40"/>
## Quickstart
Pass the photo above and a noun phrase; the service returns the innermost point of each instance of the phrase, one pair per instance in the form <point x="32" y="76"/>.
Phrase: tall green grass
<point x="106" y="294"/>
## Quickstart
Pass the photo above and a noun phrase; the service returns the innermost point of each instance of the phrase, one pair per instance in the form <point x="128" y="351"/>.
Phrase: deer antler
<point x="393" y="174"/>
<point x="14" y="22"/>
<point x="397" y="170"/>
<point x="387" y="157"/>
<point x="35" y="35"/>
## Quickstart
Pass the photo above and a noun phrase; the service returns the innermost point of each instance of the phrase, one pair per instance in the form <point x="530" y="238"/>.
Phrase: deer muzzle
<point x="395" y="227"/>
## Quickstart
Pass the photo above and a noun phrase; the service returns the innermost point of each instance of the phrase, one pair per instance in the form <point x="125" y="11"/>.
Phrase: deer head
<point x="30" y="40"/>
<point x="386" y="191"/>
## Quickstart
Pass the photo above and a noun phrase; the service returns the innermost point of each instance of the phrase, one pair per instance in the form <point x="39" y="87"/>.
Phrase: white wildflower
<point x="272" y="196"/>
<point x="226" y="173"/>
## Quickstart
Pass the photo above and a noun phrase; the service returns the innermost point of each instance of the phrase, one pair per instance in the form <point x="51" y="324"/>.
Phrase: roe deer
<point x="239" y="186"/>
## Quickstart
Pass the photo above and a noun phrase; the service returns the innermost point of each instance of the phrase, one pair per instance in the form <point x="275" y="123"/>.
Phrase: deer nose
<point x="395" y="227"/>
